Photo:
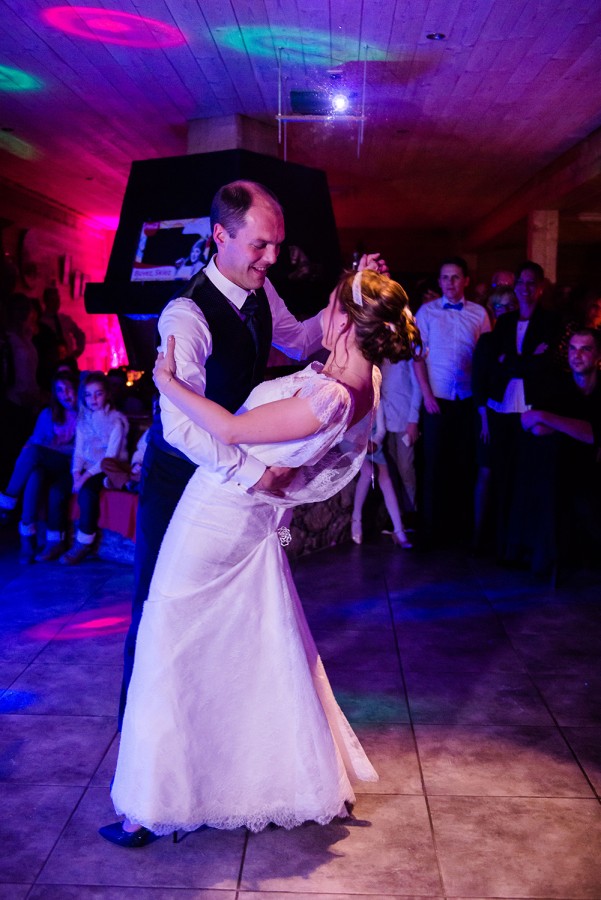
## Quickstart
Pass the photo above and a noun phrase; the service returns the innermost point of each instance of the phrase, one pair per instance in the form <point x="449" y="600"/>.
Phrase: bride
<point x="230" y="719"/>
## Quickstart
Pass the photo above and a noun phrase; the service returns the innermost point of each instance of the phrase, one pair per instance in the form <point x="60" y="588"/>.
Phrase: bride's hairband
<point x="357" y="294"/>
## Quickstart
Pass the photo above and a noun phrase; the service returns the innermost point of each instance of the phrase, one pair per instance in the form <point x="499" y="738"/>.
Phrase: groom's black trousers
<point x="164" y="477"/>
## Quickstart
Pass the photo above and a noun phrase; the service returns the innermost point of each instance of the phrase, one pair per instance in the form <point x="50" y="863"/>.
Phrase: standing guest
<point x="501" y="300"/>
<point x="44" y="465"/>
<point x="401" y="401"/>
<point x="576" y="420"/>
<point x="59" y="340"/>
<point x="71" y="338"/>
<point x="375" y="461"/>
<point x="101" y="432"/>
<point x="522" y="377"/>
<point x="224" y="323"/>
<point x="450" y="328"/>
<point x="20" y="395"/>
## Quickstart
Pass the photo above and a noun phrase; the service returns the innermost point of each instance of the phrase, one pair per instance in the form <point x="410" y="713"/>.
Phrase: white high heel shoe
<point x="356" y="531"/>
<point x="400" y="539"/>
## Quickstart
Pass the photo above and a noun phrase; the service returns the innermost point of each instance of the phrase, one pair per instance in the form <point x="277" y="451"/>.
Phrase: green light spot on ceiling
<point x="317" y="45"/>
<point x="17" y="147"/>
<point x="17" y="80"/>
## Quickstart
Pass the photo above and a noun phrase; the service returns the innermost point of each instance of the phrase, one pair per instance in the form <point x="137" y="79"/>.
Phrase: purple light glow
<point x="113" y="27"/>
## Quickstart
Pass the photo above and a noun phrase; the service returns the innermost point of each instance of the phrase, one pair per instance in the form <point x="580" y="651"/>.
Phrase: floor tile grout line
<point x="558" y="727"/>
<point x="85" y="789"/>
<point x="414" y="740"/>
<point x="242" y="861"/>
<point x="59" y="836"/>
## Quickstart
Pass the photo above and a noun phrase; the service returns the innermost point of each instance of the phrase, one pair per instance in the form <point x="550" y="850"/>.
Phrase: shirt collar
<point x="235" y="294"/>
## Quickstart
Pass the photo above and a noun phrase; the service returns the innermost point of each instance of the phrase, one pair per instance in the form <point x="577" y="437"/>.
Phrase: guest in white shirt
<point x="401" y="400"/>
<point x="450" y="328"/>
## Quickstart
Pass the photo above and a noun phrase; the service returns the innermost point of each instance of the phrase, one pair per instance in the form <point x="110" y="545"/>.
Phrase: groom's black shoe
<point x="116" y="834"/>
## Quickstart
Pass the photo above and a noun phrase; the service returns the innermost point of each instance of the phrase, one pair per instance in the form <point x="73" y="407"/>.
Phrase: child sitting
<point x="101" y="432"/>
<point x="124" y="476"/>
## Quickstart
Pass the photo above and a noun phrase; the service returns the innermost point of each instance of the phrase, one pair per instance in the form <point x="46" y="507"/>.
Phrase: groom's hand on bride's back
<point x="275" y="480"/>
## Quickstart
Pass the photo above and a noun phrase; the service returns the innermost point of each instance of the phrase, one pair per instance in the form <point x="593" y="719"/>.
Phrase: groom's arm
<point x="183" y="319"/>
<point x="298" y="340"/>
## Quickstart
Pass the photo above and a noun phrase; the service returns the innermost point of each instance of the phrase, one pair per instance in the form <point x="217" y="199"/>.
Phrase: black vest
<point x="234" y="367"/>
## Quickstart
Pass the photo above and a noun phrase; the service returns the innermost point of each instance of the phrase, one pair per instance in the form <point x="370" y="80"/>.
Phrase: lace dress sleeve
<point x="340" y="459"/>
<point x="330" y="402"/>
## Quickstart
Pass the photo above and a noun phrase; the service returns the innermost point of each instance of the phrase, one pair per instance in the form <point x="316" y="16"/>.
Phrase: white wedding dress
<point x="230" y="719"/>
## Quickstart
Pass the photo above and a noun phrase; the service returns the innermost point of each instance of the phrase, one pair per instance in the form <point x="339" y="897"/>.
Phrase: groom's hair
<point x="232" y="202"/>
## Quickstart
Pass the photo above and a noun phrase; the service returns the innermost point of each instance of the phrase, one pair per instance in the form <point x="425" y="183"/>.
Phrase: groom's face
<point x="245" y="257"/>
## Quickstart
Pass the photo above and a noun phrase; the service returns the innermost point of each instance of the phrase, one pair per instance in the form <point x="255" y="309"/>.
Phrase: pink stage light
<point x="91" y="623"/>
<point x="113" y="27"/>
<point x="109" y="222"/>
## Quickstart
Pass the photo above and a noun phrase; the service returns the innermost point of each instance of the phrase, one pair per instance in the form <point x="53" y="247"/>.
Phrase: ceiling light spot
<point x="113" y="27"/>
<point x="340" y="103"/>
<point x="17" y="80"/>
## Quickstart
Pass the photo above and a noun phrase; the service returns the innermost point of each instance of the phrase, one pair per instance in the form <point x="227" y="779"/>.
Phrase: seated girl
<point x="101" y="432"/>
<point x="44" y="464"/>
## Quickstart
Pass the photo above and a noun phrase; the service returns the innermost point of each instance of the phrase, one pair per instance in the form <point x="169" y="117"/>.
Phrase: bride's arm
<point x="282" y="420"/>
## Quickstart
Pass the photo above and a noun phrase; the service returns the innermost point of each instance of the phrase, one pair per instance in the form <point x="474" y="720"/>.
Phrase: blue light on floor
<point x="15" y="701"/>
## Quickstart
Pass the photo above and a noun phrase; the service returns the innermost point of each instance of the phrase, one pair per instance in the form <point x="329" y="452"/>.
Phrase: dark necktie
<point x="452" y="305"/>
<point x="249" y="311"/>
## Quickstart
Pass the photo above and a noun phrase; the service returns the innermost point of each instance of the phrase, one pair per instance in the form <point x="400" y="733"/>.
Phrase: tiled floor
<point x="477" y="693"/>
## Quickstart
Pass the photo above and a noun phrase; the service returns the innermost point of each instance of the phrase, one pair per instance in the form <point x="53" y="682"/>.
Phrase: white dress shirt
<point x="193" y="345"/>
<point x="514" y="398"/>
<point x="401" y="395"/>
<point x="449" y="336"/>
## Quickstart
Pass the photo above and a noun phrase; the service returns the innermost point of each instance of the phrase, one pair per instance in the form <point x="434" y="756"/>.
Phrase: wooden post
<point x="234" y="132"/>
<point x="543" y="236"/>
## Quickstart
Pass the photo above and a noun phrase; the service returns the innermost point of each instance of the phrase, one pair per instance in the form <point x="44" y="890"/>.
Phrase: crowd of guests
<point x="490" y="440"/>
<point x="510" y="420"/>
<point x="65" y="432"/>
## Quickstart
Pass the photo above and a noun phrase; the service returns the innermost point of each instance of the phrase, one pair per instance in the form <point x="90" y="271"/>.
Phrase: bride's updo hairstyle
<point x="379" y="309"/>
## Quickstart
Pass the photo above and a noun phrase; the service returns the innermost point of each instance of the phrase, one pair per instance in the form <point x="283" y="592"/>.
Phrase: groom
<point x="224" y="323"/>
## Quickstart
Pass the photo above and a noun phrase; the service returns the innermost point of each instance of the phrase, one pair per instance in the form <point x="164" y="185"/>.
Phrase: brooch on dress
<point x="284" y="535"/>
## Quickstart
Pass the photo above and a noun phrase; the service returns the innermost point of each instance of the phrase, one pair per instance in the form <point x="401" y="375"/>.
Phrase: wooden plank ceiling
<point x="454" y="127"/>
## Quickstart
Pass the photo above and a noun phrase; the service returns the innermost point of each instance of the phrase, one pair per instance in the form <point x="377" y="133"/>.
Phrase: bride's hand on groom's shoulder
<point x="164" y="367"/>
<point x="275" y="480"/>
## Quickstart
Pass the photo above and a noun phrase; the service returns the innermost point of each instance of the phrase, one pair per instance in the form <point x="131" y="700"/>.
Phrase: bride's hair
<point x="379" y="309"/>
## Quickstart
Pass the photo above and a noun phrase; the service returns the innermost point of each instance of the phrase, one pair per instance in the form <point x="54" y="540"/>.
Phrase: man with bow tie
<point x="450" y="328"/>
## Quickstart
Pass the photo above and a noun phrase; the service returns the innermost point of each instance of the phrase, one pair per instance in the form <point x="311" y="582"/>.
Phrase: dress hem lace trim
<point x="252" y="823"/>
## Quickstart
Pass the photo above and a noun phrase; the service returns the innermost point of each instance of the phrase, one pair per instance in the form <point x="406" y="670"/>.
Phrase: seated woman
<point x="101" y="432"/>
<point x="44" y="464"/>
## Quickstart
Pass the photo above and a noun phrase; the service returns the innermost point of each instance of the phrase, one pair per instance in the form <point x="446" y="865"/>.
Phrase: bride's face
<point x="333" y="322"/>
